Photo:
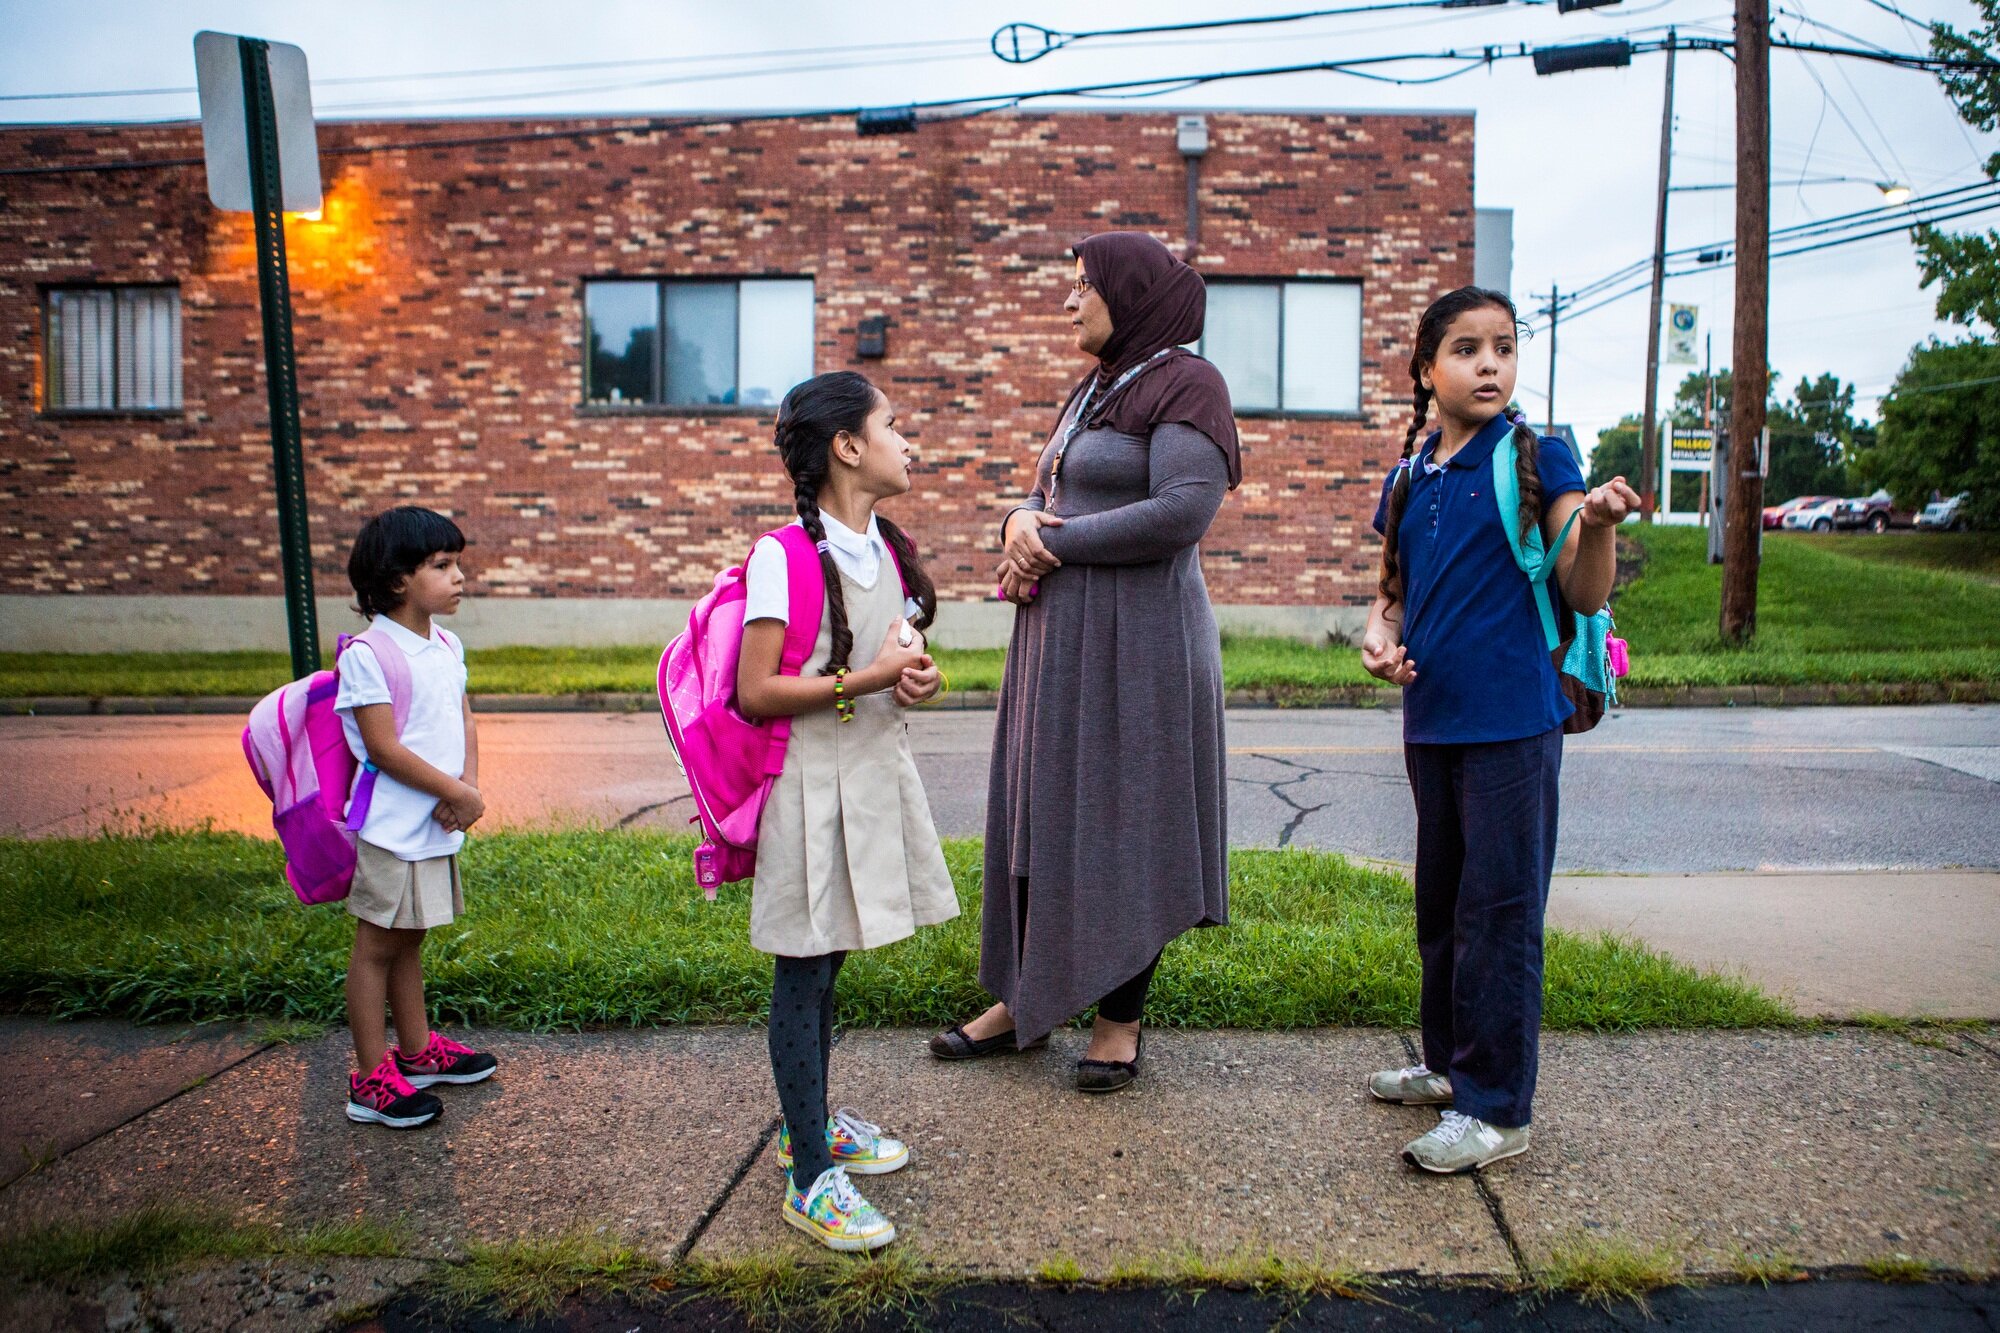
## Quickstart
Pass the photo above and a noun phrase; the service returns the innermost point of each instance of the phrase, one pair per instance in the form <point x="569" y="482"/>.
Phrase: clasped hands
<point x="1024" y="560"/>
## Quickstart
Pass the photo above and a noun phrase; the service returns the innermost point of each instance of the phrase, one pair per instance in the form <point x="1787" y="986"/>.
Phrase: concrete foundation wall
<point x="168" y="624"/>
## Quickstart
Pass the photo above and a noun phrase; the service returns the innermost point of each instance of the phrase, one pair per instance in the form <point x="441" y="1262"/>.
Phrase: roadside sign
<point x="225" y="140"/>
<point x="1691" y="444"/>
<point x="1681" y="320"/>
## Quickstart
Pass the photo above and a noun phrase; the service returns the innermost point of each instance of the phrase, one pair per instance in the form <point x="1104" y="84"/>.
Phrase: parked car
<point x="1813" y="514"/>
<point x="1774" y="515"/>
<point x="1945" y="515"/>
<point x="1876" y="513"/>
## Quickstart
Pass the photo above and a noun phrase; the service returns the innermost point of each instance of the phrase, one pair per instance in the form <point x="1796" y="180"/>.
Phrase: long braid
<point x="1391" y="583"/>
<point x="1528" y="473"/>
<point x="805" y="498"/>
<point x="915" y="577"/>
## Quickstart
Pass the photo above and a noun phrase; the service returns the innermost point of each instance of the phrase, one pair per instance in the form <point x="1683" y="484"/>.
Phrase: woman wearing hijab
<point x="1105" y="828"/>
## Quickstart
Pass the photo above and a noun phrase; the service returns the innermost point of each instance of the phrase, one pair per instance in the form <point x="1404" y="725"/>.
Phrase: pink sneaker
<point x="444" y="1061"/>
<point x="384" y="1097"/>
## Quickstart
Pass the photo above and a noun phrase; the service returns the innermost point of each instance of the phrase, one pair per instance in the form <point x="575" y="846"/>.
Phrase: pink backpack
<point x="299" y="756"/>
<point x="730" y="761"/>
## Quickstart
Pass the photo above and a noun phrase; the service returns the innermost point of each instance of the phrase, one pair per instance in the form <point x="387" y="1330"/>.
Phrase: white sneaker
<point x="833" y="1213"/>
<point x="1415" y="1086"/>
<point x="1463" y="1143"/>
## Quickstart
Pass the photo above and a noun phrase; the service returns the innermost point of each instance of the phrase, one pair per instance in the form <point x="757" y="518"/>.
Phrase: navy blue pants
<point x="1486" y="845"/>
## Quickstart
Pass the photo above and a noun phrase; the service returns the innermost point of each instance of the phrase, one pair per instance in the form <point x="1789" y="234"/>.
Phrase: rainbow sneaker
<point x="854" y="1143"/>
<point x="834" y="1213"/>
<point x="444" y="1061"/>
<point x="384" y="1097"/>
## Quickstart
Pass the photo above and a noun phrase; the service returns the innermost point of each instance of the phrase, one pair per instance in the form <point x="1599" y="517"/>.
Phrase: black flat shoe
<point x="1110" y="1075"/>
<point x="956" y="1045"/>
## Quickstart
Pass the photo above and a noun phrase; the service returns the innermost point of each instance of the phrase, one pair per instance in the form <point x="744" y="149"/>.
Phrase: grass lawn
<point x="1833" y="609"/>
<point x="603" y="928"/>
<point x="1838" y="608"/>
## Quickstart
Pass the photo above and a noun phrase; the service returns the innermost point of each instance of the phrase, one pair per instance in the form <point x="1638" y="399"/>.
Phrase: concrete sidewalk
<point x="1831" y="1148"/>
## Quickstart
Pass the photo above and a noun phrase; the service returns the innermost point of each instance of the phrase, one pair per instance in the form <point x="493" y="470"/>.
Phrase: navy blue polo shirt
<point x="1469" y="617"/>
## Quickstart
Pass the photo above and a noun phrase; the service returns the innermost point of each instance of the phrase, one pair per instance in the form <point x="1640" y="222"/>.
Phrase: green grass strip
<point x="594" y="928"/>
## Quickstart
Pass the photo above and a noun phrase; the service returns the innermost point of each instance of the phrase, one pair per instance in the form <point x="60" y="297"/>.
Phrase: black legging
<point x="801" y="1040"/>
<point x="1127" y="1002"/>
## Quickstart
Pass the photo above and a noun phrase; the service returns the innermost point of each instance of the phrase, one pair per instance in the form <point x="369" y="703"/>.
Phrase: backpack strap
<point x="395" y="666"/>
<point x="1529" y="554"/>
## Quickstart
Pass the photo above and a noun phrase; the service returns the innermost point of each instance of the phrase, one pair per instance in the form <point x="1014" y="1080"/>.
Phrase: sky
<point x="1575" y="155"/>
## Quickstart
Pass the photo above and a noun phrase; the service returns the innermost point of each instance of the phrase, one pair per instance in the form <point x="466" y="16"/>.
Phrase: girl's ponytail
<point x="922" y="591"/>
<point x="1528" y="473"/>
<point x="805" y="498"/>
<point x="1391" y="583"/>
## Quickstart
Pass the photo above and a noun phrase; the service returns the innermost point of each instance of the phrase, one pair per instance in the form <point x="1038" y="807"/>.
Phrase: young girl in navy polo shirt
<point x="1455" y="624"/>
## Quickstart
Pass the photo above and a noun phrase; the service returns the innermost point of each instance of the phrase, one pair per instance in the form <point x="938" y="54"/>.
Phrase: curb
<point x="1345" y="696"/>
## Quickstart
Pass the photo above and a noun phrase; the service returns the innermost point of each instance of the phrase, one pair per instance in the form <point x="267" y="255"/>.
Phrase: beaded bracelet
<point x="842" y="705"/>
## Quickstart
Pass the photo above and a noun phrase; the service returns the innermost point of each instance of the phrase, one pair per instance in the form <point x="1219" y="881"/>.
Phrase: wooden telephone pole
<point x="1744" y="495"/>
<point x="1649" y="432"/>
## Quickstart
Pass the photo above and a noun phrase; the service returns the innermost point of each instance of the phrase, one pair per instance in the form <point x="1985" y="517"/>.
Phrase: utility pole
<point x="1649" y="448"/>
<point x="1743" y="495"/>
<point x="1555" y="314"/>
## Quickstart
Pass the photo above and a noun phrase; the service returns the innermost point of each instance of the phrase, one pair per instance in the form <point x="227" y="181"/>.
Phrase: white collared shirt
<point x="859" y="555"/>
<point x="399" y="818"/>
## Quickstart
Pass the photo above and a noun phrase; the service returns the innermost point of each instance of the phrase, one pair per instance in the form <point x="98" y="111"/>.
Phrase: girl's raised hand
<point x="1610" y="504"/>
<point x="1387" y="661"/>
<point x="1024" y="542"/>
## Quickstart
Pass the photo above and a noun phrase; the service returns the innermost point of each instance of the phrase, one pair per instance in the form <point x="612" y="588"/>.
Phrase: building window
<point x="1286" y="346"/>
<point x="114" y="349"/>
<point x="696" y="344"/>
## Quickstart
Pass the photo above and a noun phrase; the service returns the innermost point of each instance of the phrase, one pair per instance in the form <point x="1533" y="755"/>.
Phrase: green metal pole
<point x="280" y="366"/>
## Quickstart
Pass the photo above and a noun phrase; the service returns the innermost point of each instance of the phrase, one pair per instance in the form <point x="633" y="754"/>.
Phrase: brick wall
<point x="439" y="328"/>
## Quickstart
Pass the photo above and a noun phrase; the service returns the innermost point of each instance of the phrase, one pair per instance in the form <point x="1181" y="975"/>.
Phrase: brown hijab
<point x="1156" y="302"/>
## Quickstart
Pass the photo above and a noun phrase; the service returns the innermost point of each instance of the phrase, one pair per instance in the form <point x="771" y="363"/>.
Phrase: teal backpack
<point x="1585" y="670"/>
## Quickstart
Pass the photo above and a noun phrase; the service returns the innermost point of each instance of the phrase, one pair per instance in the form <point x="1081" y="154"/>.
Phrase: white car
<point x="1945" y="515"/>
<point x="1812" y="518"/>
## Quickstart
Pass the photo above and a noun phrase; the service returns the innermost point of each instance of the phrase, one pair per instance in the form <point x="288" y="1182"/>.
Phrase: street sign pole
<point x="280" y="366"/>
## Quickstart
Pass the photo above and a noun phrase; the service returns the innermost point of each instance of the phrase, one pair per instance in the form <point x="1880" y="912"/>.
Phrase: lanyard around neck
<point x="1076" y="423"/>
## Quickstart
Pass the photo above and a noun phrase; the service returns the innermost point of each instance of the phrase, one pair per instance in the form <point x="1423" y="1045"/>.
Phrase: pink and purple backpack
<point x="299" y="756"/>
<point x="731" y="762"/>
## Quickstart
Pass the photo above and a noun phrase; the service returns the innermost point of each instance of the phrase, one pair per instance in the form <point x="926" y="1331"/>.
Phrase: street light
<point x="1893" y="193"/>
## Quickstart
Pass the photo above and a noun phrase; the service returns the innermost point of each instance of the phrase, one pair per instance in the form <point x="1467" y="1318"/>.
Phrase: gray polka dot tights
<point x="801" y="1044"/>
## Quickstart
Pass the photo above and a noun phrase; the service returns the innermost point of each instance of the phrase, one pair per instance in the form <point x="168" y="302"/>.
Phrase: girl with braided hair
<point x="847" y="856"/>
<point x="1455" y="624"/>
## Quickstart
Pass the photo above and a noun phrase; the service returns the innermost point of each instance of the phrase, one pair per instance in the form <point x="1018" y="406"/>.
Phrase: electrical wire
<point x="1010" y="41"/>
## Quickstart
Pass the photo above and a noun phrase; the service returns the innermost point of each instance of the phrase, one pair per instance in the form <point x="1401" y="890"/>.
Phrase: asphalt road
<point x="1662" y="790"/>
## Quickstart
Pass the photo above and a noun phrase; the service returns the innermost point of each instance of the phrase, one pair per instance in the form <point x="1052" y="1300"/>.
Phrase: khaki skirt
<point x="405" y="895"/>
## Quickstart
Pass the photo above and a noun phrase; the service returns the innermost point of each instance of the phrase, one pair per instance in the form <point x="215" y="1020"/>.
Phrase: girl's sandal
<point x="956" y="1045"/>
<point x="1110" y="1075"/>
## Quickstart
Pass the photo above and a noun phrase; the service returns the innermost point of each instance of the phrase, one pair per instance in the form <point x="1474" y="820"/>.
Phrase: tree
<point x="1617" y="453"/>
<point x="1965" y="266"/>
<point x="1940" y="430"/>
<point x="1811" y="438"/>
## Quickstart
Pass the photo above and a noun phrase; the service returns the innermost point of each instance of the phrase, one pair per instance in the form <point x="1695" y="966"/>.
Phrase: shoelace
<point x="849" y="1121"/>
<point x="386" y="1079"/>
<point x="845" y="1197"/>
<point x="1414" y="1071"/>
<point x="1452" y="1127"/>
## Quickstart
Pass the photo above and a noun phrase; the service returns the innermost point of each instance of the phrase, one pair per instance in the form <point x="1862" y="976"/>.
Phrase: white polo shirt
<point x="399" y="817"/>
<point x="767" y="593"/>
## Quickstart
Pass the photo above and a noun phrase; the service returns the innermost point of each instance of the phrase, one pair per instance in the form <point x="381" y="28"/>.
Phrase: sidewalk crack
<point x="141" y="1114"/>
<point x="1486" y="1195"/>
<point x="714" y="1209"/>
<point x="645" y="810"/>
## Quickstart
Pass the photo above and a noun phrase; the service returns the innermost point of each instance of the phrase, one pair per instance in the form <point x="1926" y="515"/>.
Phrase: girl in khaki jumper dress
<point x="847" y="857"/>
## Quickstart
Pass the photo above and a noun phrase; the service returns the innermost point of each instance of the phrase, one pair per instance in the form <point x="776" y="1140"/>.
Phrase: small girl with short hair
<point x="405" y="571"/>
<point x="847" y="856"/>
<point x="1455" y="624"/>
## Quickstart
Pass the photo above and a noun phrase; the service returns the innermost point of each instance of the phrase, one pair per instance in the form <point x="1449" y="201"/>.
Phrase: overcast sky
<point x="1575" y="156"/>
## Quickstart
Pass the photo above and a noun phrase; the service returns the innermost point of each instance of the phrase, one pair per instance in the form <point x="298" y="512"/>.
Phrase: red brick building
<point x="568" y="334"/>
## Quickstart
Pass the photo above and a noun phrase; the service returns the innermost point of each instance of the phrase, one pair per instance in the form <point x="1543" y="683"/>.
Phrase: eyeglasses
<point x="1079" y="286"/>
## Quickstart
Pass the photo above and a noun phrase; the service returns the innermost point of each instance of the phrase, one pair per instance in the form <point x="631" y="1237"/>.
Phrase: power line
<point x="1011" y="41"/>
<point x="1360" y="66"/>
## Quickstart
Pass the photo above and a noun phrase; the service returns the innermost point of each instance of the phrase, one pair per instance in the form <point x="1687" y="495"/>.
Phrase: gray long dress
<point x="1105" y="816"/>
